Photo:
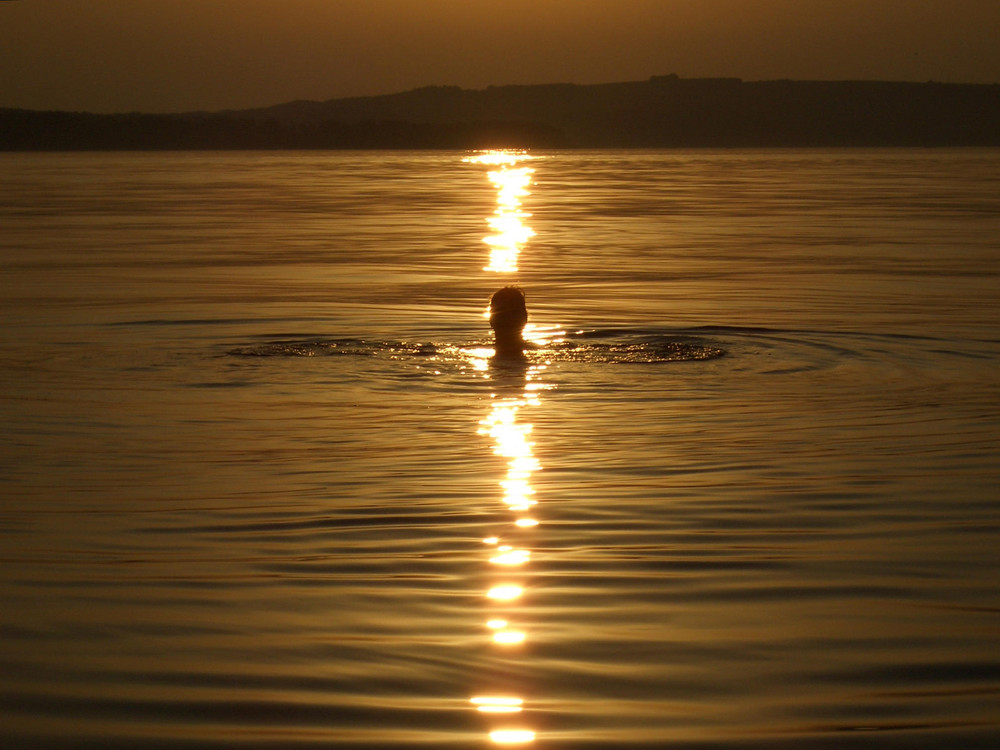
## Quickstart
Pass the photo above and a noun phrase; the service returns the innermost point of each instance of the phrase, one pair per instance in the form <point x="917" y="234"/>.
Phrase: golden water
<point x="264" y="487"/>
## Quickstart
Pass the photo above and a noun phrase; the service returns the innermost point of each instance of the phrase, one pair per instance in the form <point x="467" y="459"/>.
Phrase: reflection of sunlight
<point x="511" y="557"/>
<point x="509" y="232"/>
<point x="511" y="185"/>
<point x="511" y="442"/>
<point x="497" y="704"/>
<point x="496" y="157"/>
<point x="492" y="700"/>
<point x="502" y="426"/>
<point x="512" y="736"/>
<point x="505" y="593"/>
<point x="543" y="335"/>
<point x="510" y="434"/>
<point x="516" y="492"/>
<point x="522" y="506"/>
<point x="508" y="637"/>
<point x="480" y="357"/>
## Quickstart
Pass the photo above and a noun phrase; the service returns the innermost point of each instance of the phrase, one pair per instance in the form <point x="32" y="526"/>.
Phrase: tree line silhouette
<point x="662" y="112"/>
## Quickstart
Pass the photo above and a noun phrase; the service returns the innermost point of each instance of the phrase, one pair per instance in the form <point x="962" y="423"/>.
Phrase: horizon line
<point x="652" y="78"/>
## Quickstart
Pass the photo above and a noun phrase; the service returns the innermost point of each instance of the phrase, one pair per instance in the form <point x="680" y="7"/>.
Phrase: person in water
<point x="508" y="316"/>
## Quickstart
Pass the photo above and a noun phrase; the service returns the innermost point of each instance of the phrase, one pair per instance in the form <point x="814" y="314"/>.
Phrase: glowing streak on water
<point x="497" y="704"/>
<point x="512" y="736"/>
<point x="509" y="637"/>
<point x="513" y="557"/>
<point x="497" y="157"/>
<point x="509" y="231"/>
<point x="505" y="593"/>
<point x="510" y="436"/>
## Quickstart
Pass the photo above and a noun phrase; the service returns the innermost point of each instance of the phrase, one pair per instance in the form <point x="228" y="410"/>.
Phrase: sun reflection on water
<point x="509" y="231"/>
<point x="518" y="391"/>
<point x="506" y="592"/>
<point x="512" y="736"/>
<point x="511" y="557"/>
<point x="511" y="436"/>
<point x="497" y="157"/>
<point x="507" y="637"/>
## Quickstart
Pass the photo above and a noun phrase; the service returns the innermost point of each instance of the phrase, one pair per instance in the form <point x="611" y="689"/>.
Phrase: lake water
<point x="264" y="487"/>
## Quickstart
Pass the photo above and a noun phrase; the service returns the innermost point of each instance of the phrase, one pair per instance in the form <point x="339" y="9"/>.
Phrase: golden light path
<point x="510" y="233"/>
<point x="505" y="593"/>
<point x="496" y="704"/>
<point x="512" y="736"/>
<point x="511" y="436"/>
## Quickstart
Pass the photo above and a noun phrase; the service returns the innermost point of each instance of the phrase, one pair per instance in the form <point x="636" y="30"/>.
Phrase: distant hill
<point x="662" y="112"/>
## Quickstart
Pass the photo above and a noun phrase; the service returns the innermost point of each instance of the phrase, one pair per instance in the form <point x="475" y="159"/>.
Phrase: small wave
<point x="656" y="350"/>
<point x="617" y="347"/>
<point x="627" y="350"/>
<point x="167" y="322"/>
<point x="333" y="347"/>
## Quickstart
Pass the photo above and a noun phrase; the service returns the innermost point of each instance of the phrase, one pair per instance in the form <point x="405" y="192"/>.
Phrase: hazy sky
<point x="176" y="55"/>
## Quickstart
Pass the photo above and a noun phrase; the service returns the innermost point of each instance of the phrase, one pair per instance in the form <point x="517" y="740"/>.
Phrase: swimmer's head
<point x="508" y="316"/>
<point x="508" y="313"/>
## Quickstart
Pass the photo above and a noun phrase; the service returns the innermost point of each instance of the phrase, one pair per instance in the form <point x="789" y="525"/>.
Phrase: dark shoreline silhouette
<point x="662" y="112"/>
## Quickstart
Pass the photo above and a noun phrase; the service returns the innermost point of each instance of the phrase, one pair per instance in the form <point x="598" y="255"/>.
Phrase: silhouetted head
<point x="508" y="316"/>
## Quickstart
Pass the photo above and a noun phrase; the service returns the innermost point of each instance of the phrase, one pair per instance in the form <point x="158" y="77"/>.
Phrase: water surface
<point x="264" y="487"/>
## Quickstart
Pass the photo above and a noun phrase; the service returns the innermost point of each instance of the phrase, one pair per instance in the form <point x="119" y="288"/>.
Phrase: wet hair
<point x="508" y="313"/>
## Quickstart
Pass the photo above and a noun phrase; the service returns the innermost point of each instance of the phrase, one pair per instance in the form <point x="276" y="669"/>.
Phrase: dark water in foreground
<point x="263" y="487"/>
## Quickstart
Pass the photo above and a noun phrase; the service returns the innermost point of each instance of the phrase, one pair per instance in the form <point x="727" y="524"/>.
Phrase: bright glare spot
<point x="522" y="466"/>
<point x="543" y="335"/>
<point x="511" y="185"/>
<point x="480" y="357"/>
<point x="482" y="700"/>
<point x="497" y="704"/>
<point x="511" y="232"/>
<point x="512" y="736"/>
<point x="526" y="523"/>
<point x="496" y="624"/>
<point x="501" y="425"/>
<point x="490" y="540"/>
<point x="496" y="157"/>
<point x="505" y="592"/>
<point x="516" y="490"/>
<point x="513" y="557"/>
<point x="508" y="637"/>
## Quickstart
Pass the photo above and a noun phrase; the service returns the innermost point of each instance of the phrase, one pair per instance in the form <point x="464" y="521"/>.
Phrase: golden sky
<point x="170" y="55"/>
